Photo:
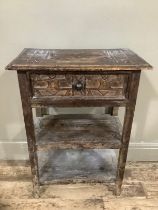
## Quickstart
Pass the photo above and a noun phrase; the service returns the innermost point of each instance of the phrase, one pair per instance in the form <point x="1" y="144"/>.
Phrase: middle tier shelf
<point x="78" y="131"/>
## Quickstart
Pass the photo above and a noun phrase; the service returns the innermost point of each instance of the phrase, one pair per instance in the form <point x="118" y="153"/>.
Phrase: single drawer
<point x="88" y="85"/>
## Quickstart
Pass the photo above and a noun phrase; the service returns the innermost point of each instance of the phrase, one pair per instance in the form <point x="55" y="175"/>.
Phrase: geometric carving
<point x="99" y="85"/>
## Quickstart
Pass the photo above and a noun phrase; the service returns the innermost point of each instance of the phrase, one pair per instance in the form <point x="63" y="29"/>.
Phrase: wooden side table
<point x="78" y="78"/>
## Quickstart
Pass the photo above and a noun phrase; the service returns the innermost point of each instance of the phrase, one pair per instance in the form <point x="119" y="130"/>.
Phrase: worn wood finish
<point x="78" y="131"/>
<point x="78" y="78"/>
<point x="40" y="111"/>
<point x="29" y="126"/>
<point x="77" y="166"/>
<point x="102" y="85"/>
<point x="113" y="110"/>
<point x="128" y="119"/>
<point x="78" y="60"/>
<point x="76" y="102"/>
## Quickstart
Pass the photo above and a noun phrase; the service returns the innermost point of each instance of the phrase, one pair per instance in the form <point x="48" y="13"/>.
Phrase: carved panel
<point x="112" y="86"/>
<point x="105" y="85"/>
<point x="51" y="85"/>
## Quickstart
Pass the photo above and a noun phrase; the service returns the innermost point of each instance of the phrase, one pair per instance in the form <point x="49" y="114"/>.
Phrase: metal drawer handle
<point x="78" y="86"/>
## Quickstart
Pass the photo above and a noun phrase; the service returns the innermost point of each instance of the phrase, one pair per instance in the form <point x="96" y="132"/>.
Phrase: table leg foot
<point x="36" y="192"/>
<point x="118" y="190"/>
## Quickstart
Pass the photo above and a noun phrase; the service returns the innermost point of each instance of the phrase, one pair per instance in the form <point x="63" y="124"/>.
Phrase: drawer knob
<point x="78" y="86"/>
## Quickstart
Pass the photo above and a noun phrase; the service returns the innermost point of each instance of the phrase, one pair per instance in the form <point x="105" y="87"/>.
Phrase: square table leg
<point x="127" y="126"/>
<point x="29" y="126"/>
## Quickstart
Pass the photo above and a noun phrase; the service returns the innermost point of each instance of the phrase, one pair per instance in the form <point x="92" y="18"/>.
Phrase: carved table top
<point x="78" y="60"/>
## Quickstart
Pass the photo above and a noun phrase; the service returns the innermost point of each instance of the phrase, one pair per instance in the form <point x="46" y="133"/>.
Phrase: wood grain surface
<point x="69" y="78"/>
<point x="103" y="85"/>
<point x="77" y="166"/>
<point x="78" y="60"/>
<point x="78" y="131"/>
<point x="126" y="131"/>
<point x="29" y="127"/>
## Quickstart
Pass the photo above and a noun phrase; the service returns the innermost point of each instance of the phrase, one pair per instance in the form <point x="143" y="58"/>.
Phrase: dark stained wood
<point x="77" y="78"/>
<point x="82" y="100"/>
<point x="29" y="126"/>
<point x="113" y="110"/>
<point x="76" y="102"/>
<point x="78" y="60"/>
<point x="40" y="111"/>
<point x="127" y="126"/>
<point x="111" y="86"/>
<point x="78" y="131"/>
<point x="77" y="166"/>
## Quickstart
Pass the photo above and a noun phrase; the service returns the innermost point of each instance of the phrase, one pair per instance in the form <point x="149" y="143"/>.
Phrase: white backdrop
<point x="79" y="24"/>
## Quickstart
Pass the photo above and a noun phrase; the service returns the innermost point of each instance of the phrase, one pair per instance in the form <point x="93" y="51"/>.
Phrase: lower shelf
<point x="72" y="166"/>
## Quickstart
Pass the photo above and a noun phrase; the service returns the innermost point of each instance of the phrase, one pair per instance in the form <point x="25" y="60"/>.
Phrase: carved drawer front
<point x="103" y="85"/>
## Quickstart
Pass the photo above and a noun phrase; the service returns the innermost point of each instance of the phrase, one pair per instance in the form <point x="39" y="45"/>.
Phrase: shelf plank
<point x="77" y="166"/>
<point x="78" y="131"/>
<point x="76" y="102"/>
